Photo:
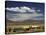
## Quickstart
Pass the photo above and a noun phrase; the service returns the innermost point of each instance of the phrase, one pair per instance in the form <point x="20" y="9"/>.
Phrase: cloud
<point x="22" y="15"/>
<point x="38" y="10"/>
<point x="21" y="9"/>
<point x="13" y="9"/>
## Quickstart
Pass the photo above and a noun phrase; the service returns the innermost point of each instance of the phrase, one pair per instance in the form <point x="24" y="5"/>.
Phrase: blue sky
<point x="19" y="11"/>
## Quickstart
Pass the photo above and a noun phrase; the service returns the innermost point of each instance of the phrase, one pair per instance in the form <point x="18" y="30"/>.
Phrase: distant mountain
<point x="25" y="22"/>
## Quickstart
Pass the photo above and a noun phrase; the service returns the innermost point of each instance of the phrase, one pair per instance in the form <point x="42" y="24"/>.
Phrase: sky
<point x="20" y="11"/>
